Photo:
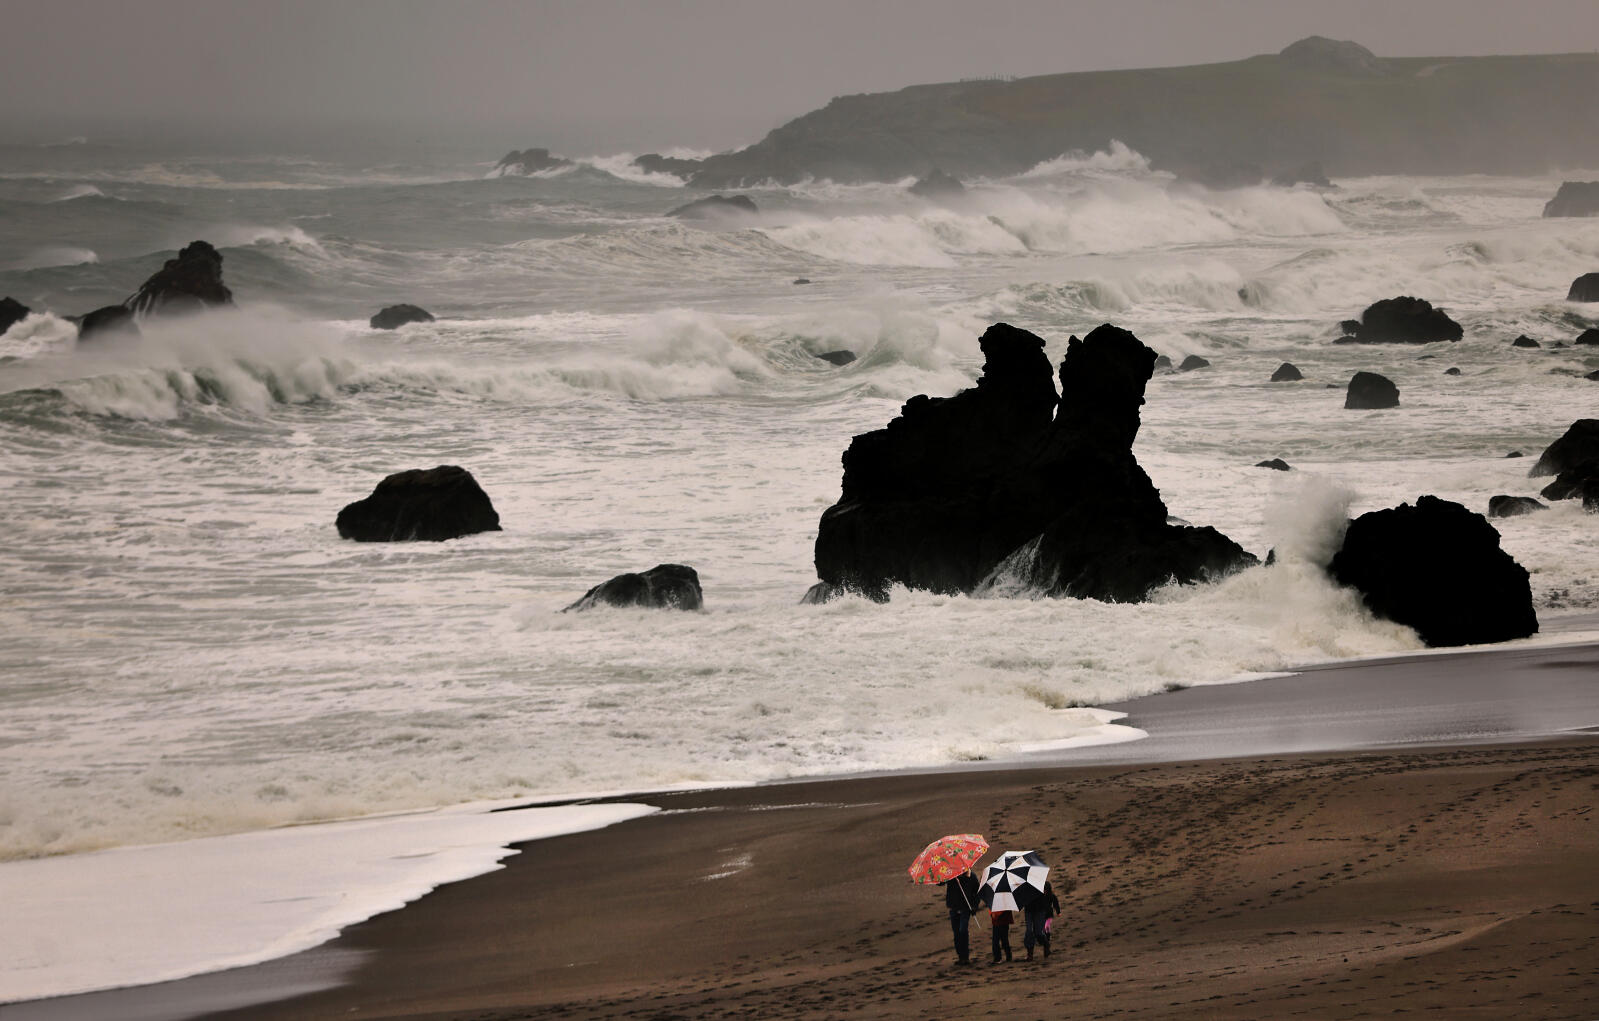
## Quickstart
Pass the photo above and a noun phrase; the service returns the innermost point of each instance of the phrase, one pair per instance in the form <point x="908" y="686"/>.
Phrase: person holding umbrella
<point x="948" y="861"/>
<point x="1018" y="881"/>
<point x="1038" y="913"/>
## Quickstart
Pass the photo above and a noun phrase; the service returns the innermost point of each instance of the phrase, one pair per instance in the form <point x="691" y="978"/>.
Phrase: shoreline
<point x="1520" y="698"/>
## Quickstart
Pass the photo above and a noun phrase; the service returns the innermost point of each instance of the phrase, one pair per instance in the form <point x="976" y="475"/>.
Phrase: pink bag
<point x="1048" y="922"/>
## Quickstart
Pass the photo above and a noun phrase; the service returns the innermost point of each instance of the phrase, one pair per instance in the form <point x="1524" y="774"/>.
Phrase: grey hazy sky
<point x="607" y="74"/>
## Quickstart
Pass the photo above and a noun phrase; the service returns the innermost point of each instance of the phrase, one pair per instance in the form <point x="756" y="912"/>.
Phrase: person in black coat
<point x="960" y="896"/>
<point x="1038" y="911"/>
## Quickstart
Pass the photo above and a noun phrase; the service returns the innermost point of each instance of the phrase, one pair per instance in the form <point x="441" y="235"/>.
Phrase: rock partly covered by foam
<point x="1437" y="567"/>
<point x="1524" y="341"/>
<point x="1368" y="390"/>
<point x="1310" y="173"/>
<point x="110" y="321"/>
<point x="1584" y="288"/>
<point x="424" y="503"/>
<point x="1579" y="445"/>
<point x="712" y="206"/>
<point x="1577" y="483"/>
<point x="529" y="161"/>
<point x="937" y="185"/>
<point x="1193" y="362"/>
<point x="1007" y="485"/>
<point x="188" y="283"/>
<point x="1504" y="506"/>
<point x="1588" y="338"/>
<point x="12" y="312"/>
<point x="1575" y="198"/>
<point x="395" y="316"/>
<point x="664" y="586"/>
<point x="1402" y="320"/>
<point x="837" y="357"/>
<point x="655" y="163"/>
<point x="1275" y="464"/>
<point x="1286" y="373"/>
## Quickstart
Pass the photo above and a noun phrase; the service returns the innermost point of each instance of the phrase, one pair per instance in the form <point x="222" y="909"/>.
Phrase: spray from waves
<point x="247" y="235"/>
<point x="1118" y="159"/>
<point x="36" y="334"/>
<point x="55" y="255"/>
<point x="81" y="191"/>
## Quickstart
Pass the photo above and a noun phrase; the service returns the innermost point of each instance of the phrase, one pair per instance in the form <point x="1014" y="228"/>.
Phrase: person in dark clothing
<point x="1039" y="911"/>
<point x="960" y="896"/>
<point x="1000" y="921"/>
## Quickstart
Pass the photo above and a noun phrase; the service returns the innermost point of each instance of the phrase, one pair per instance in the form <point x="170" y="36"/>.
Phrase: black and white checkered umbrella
<point x="1012" y="882"/>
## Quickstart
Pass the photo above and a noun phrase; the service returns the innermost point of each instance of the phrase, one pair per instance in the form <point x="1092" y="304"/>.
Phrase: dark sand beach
<point x="1415" y="871"/>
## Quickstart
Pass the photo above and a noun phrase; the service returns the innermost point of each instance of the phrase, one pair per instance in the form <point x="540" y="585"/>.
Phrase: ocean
<point x="189" y="650"/>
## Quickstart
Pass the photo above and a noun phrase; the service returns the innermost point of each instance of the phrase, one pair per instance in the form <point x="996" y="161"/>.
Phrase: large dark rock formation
<point x="655" y="163"/>
<point x="1584" y="288"/>
<point x="395" y="316"/>
<point x="529" y="161"/>
<point x="1402" y="320"/>
<point x="424" y="503"/>
<point x="1503" y="506"/>
<point x="1579" y="445"/>
<point x="664" y="586"/>
<point x="994" y="486"/>
<point x="1367" y="391"/>
<point x="1577" y="483"/>
<point x="1575" y="198"/>
<point x="1437" y="567"/>
<point x="712" y="206"/>
<point x="937" y="185"/>
<point x="1286" y="373"/>
<point x="12" y="312"/>
<point x="111" y="321"/>
<point x="190" y="282"/>
<point x="1588" y="337"/>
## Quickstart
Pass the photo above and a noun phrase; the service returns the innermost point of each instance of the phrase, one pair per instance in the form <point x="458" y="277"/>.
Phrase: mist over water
<point x="188" y="648"/>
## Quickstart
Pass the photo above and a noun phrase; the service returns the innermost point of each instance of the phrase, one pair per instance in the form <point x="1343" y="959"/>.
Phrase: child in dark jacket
<point x="1000" y="920"/>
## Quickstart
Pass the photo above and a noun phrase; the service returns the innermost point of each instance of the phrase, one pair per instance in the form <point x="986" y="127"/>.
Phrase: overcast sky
<point x="632" y="74"/>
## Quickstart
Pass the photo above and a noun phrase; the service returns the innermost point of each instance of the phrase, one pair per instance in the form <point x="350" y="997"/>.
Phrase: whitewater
<point x="188" y="650"/>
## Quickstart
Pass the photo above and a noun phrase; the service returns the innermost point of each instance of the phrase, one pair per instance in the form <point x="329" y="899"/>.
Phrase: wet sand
<point x="1448" y="878"/>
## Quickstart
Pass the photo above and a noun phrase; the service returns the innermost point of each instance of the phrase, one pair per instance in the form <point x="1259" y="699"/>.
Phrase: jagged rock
<point x="1286" y="373"/>
<point x="188" y="283"/>
<point x="395" y="316"/>
<point x="1579" y="482"/>
<point x="110" y="321"/>
<point x="12" y="312"/>
<point x="1311" y="173"/>
<point x="1402" y="320"/>
<point x="1367" y="390"/>
<point x="937" y="185"/>
<point x="1524" y="341"/>
<point x="993" y="488"/>
<point x="1437" y="567"/>
<point x="424" y="503"/>
<point x="837" y="357"/>
<point x="1452" y="371"/>
<point x="1575" y="198"/>
<point x="1584" y="288"/>
<point x="1579" y="445"/>
<point x="1513" y="506"/>
<point x="1588" y="337"/>
<point x="529" y="161"/>
<point x="1162" y="362"/>
<point x="655" y="163"/>
<point x="712" y="206"/>
<point x="1276" y="464"/>
<point x="664" y="586"/>
<point x="1193" y="362"/>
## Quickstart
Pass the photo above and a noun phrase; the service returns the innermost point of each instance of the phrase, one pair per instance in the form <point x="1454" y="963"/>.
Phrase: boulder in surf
<point x="1368" y="390"/>
<point x="1574" y="198"/>
<point x="110" y="321"/>
<point x="1504" y="506"/>
<point x="1193" y="362"/>
<point x="1588" y="338"/>
<point x="1577" y="483"/>
<point x="1584" y="288"/>
<point x="1438" y="568"/>
<point x="430" y="504"/>
<point x="1524" y="341"/>
<point x="837" y="357"/>
<point x="713" y="206"/>
<point x="395" y="316"/>
<point x="529" y="161"/>
<point x="1578" y="445"/>
<point x="1275" y="464"/>
<point x="1286" y="373"/>
<point x="12" y="312"/>
<point x="1402" y="320"/>
<point x="664" y="586"/>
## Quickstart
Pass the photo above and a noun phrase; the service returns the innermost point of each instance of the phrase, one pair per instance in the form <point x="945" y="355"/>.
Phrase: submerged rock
<point x="1524" y="341"/>
<point x="395" y="316"/>
<point x="837" y="357"/>
<point x="1367" y="390"/>
<point x="1577" y="446"/>
<point x="1437" y="567"/>
<point x="664" y="586"/>
<point x="12" y="312"/>
<point x="529" y="161"/>
<point x="1513" y="506"/>
<point x="1584" y="288"/>
<point x="712" y="206"/>
<point x="1276" y="464"/>
<point x="937" y="185"/>
<point x="421" y="504"/>
<point x="1575" y="198"/>
<point x="1286" y="373"/>
<point x="188" y="283"/>
<point x="1193" y="362"/>
<point x="1402" y="320"/>
<point x="110" y="321"/>
<point x="994" y="488"/>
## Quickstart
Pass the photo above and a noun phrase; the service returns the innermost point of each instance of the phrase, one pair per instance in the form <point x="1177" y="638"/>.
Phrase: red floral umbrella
<point x="947" y="857"/>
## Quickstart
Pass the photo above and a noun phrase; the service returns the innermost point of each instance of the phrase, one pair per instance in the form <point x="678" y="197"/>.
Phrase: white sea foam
<point x="80" y="191"/>
<point x="153" y="913"/>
